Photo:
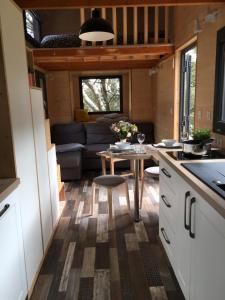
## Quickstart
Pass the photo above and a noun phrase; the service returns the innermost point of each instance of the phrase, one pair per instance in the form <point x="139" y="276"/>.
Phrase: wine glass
<point x="184" y="136"/>
<point x="141" y="138"/>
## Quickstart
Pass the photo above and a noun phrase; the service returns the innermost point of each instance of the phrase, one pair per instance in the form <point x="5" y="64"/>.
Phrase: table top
<point x="150" y="153"/>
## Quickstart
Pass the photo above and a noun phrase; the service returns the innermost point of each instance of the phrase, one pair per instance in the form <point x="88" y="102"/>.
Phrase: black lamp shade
<point x="96" y="29"/>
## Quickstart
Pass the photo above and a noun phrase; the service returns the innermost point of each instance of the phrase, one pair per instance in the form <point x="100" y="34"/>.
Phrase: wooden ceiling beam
<point x="159" y="49"/>
<point x="91" y="66"/>
<point x="68" y="4"/>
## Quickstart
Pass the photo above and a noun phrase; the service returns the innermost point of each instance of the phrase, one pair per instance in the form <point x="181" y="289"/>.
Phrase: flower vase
<point x="123" y="140"/>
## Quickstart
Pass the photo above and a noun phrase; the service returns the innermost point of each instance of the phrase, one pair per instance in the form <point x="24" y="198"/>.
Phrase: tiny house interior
<point x="112" y="134"/>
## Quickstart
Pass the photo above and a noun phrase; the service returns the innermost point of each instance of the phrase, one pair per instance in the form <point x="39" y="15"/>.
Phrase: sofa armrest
<point x="69" y="147"/>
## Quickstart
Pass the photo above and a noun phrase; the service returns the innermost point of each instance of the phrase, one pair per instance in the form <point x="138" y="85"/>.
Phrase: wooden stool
<point x="149" y="172"/>
<point x="109" y="182"/>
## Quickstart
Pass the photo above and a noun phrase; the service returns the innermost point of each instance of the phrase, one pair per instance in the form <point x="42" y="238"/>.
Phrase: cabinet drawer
<point x="167" y="237"/>
<point x="168" y="203"/>
<point x="169" y="175"/>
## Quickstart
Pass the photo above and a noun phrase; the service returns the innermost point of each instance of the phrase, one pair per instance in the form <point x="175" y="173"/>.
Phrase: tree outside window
<point x="101" y="94"/>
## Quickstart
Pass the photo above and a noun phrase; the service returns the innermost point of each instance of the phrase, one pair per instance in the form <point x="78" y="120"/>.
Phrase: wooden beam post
<point x="93" y="43"/>
<point x="135" y="22"/>
<point x="124" y="25"/>
<point x="69" y="4"/>
<point x="156" y="25"/>
<point x="114" y="26"/>
<point x="104" y="17"/>
<point x="82" y="19"/>
<point x="166" y="24"/>
<point x="146" y="25"/>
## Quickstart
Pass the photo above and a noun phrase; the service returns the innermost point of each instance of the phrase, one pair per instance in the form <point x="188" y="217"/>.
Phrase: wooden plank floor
<point x="86" y="261"/>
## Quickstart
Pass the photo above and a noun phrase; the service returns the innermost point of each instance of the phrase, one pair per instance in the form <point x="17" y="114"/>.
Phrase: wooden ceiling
<point x="101" y="58"/>
<point x="106" y="57"/>
<point x="56" y="4"/>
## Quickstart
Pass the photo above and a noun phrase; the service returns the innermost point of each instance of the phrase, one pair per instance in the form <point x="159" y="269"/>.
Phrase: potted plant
<point x="124" y="130"/>
<point x="200" y="144"/>
<point x="201" y="134"/>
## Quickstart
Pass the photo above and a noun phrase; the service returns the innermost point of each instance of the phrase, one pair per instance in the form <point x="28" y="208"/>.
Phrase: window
<point x="187" y="92"/>
<point x="32" y="27"/>
<point x="101" y="94"/>
<point x="219" y="98"/>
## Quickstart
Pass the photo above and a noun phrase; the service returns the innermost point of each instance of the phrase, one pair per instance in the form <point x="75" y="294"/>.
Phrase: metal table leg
<point x="136" y="191"/>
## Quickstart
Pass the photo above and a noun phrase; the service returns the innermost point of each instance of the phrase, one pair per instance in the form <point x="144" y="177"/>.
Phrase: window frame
<point x="182" y="79"/>
<point x="120" y="77"/>
<point x="28" y="37"/>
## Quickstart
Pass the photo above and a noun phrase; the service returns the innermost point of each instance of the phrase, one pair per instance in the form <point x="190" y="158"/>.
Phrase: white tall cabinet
<point x="42" y="164"/>
<point x="14" y="54"/>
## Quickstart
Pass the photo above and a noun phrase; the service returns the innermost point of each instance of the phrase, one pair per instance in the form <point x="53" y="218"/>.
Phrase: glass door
<point x="187" y="90"/>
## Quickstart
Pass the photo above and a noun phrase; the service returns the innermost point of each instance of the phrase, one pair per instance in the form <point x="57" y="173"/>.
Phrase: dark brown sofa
<point x="77" y="144"/>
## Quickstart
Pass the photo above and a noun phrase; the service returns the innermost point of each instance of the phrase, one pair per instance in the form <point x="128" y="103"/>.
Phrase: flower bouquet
<point x="124" y="130"/>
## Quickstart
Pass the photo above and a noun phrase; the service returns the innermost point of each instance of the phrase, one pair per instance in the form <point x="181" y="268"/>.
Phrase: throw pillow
<point x="81" y="115"/>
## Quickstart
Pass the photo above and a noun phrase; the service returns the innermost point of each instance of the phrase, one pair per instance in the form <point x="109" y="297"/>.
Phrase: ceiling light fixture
<point x="96" y="29"/>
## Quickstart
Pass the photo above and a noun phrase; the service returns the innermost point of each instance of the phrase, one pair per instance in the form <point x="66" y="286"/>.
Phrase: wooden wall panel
<point x="164" y="100"/>
<point x="64" y="94"/>
<point x="59" y="97"/>
<point x="183" y="30"/>
<point x="141" y="100"/>
<point x="7" y="169"/>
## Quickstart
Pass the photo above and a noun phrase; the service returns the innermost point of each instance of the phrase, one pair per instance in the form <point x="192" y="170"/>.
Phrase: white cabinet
<point x="182" y="237"/>
<point x="197" y="248"/>
<point x="42" y="164"/>
<point x="52" y="166"/>
<point x="14" y="53"/>
<point x="207" y="277"/>
<point x="12" y="270"/>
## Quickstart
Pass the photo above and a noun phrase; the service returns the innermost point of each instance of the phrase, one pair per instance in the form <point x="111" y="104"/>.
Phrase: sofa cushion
<point x="69" y="159"/>
<point x="99" y="134"/>
<point x="68" y="133"/>
<point x="90" y="150"/>
<point x="69" y="148"/>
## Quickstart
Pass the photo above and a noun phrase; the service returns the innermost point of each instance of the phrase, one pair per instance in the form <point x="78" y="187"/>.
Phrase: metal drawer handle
<point x="6" y="207"/>
<point x="186" y="226"/>
<point x="165" y="235"/>
<point x="191" y="233"/>
<point x="163" y="197"/>
<point x="165" y="172"/>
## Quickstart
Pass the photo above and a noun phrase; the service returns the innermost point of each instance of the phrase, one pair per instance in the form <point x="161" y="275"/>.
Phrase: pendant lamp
<point x="96" y="29"/>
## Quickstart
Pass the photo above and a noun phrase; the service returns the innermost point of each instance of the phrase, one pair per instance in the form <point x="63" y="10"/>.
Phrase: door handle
<point x="165" y="172"/>
<point x="165" y="235"/>
<point x="163" y="197"/>
<point x="187" y="195"/>
<point x="191" y="233"/>
<point x="5" y="208"/>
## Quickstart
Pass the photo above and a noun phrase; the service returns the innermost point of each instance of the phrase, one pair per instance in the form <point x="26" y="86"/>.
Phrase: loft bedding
<point x="60" y="41"/>
<point x="72" y="40"/>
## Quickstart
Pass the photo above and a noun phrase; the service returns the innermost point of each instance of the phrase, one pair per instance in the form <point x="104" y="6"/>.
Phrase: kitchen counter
<point x="216" y="201"/>
<point x="7" y="186"/>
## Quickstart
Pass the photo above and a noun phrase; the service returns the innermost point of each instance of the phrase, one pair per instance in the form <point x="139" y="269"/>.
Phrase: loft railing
<point x="152" y="32"/>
